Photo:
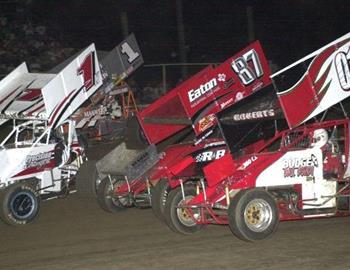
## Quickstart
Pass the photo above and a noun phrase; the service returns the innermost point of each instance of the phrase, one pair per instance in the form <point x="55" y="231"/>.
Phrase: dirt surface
<point x="72" y="233"/>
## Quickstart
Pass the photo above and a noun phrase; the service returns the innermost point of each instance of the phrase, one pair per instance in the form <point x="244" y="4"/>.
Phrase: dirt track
<point x="71" y="233"/>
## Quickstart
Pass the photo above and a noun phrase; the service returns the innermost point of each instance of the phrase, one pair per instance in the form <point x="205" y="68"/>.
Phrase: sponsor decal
<point x="229" y="83"/>
<point x="195" y="94"/>
<point x="214" y="144"/>
<point x="257" y="86"/>
<point x="254" y="115"/>
<point x="38" y="160"/>
<point x="210" y="155"/>
<point x="247" y="163"/>
<point x="239" y="96"/>
<point x="224" y="104"/>
<point x="296" y="167"/>
<point x="206" y="122"/>
<point x="100" y="111"/>
<point x="203" y="137"/>
<point x="221" y="77"/>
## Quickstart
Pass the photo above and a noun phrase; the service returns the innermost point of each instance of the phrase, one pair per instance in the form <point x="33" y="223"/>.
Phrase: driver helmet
<point x="319" y="138"/>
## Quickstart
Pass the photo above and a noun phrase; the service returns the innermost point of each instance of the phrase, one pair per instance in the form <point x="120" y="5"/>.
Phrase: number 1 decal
<point x="130" y="53"/>
<point x="245" y="72"/>
<point x="87" y="69"/>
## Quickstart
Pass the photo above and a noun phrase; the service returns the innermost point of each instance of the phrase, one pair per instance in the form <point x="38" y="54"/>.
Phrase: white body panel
<point x="51" y="180"/>
<point x="19" y="159"/>
<point x="303" y="167"/>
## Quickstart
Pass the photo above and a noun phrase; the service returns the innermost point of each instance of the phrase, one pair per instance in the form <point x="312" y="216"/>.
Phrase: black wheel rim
<point x="22" y="205"/>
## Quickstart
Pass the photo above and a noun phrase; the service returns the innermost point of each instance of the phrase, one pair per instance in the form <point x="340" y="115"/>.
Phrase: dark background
<point x="214" y="30"/>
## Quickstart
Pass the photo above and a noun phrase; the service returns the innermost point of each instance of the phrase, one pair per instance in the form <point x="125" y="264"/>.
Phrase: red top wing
<point x="206" y="93"/>
<point x="320" y="83"/>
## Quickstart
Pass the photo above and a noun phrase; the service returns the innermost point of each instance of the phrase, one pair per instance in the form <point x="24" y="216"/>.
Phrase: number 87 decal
<point x="246" y="73"/>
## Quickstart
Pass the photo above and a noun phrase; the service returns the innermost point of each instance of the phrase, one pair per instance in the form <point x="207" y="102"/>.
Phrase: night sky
<point x="214" y="30"/>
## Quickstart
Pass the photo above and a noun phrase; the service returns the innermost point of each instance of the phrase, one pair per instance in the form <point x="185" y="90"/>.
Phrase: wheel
<point x="180" y="219"/>
<point x="20" y="204"/>
<point x="83" y="141"/>
<point x="108" y="200"/>
<point x="159" y="196"/>
<point x="342" y="201"/>
<point x="134" y="136"/>
<point x="253" y="215"/>
<point x="87" y="180"/>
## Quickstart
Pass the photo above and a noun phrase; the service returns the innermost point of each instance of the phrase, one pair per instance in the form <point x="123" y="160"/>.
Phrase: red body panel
<point x="217" y="171"/>
<point x="179" y="161"/>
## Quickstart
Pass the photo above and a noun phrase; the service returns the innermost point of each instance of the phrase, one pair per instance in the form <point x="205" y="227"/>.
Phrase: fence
<point x="151" y="81"/>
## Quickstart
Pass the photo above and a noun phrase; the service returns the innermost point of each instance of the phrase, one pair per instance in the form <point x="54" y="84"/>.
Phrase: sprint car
<point x="40" y="156"/>
<point x="296" y="168"/>
<point x="184" y="118"/>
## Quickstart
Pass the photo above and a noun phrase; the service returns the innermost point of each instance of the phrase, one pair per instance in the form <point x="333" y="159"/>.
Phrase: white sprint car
<point x="41" y="155"/>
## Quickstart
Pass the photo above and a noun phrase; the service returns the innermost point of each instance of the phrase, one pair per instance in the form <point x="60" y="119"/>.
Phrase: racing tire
<point x="134" y="136"/>
<point x="109" y="201"/>
<point x="343" y="203"/>
<point x="83" y="141"/>
<point x="20" y="204"/>
<point x="159" y="196"/>
<point x="87" y="180"/>
<point x="180" y="219"/>
<point x="253" y="215"/>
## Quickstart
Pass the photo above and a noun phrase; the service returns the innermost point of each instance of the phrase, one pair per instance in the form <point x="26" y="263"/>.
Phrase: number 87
<point x="241" y="67"/>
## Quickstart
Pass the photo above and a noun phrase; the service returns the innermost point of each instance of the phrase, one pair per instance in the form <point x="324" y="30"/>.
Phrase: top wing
<point x="20" y="94"/>
<point x="52" y="97"/>
<point x="198" y="99"/>
<point x="314" y="83"/>
<point x="124" y="59"/>
<point x="72" y="86"/>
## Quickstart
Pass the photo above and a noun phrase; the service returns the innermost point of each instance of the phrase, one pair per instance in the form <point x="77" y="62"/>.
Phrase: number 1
<point x="131" y="54"/>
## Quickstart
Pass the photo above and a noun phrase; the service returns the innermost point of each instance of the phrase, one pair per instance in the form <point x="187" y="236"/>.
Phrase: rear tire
<point x="159" y="196"/>
<point x="83" y="141"/>
<point x="253" y="215"/>
<point x="134" y="136"/>
<point x="108" y="200"/>
<point x="87" y="180"/>
<point x="180" y="219"/>
<point x="20" y="204"/>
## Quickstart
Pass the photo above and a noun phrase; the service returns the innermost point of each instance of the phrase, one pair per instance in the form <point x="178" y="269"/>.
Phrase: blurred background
<point x="177" y="37"/>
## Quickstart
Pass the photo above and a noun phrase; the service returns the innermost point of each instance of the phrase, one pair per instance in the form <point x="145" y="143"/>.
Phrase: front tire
<point x="20" y="204"/>
<point x="253" y="215"/>
<point x="159" y="196"/>
<point x="180" y="219"/>
<point x="108" y="200"/>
